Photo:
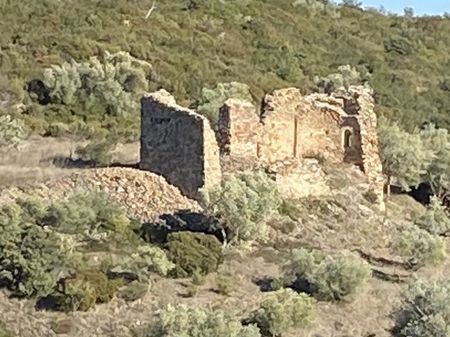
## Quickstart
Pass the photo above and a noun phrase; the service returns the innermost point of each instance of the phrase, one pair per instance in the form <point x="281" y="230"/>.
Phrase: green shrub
<point x="426" y="312"/>
<point x="326" y="277"/>
<point x="33" y="257"/>
<point x="194" y="252"/>
<point x="419" y="247"/>
<point x="83" y="290"/>
<point x="282" y="310"/>
<point x="182" y="321"/>
<point x="88" y="212"/>
<point x="144" y="261"/>
<point x="97" y="153"/>
<point x="12" y="131"/>
<point x="243" y="203"/>
<point x="57" y="129"/>
<point x="436" y="219"/>
<point x="4" y="331"/>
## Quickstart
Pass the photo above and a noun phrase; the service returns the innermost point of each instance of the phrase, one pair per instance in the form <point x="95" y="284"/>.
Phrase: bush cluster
<point x="32" y="256"/>
<point x="194" y="253"/>
<point x="326" y="277"/>
<point x="436" y="219"/>
<point x="419" y="247"/>
<point x="243" y="203"/>
<point x="426" y="312"/>
<point x="282" y="310"/>
<point x="182" y="321"/>
<point x="46" y="250"/>
<point x="83" y="290"/>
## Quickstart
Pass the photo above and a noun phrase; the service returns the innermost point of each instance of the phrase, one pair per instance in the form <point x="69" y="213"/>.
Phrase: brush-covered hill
<point x="193" y="44"/>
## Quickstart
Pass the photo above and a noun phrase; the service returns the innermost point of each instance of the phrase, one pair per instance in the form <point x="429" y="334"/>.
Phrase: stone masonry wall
<point x="294" y="128"/>
<point x="178" y="144"/>
<point x="369" y="141"/>
<point x="238" y="129"/>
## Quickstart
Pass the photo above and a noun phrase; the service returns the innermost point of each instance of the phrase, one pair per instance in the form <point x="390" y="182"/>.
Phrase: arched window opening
<point x="347" y="138"/>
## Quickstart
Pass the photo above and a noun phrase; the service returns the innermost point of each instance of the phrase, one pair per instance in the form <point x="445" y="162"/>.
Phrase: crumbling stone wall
<point x="178" y="144"/>
<point x="238" y="129"/>
<point x="340" y="127"/>
<point x="369" y="140"/>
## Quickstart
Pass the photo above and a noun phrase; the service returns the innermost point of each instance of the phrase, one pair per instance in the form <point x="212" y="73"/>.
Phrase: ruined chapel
<point x="181" y="145"/>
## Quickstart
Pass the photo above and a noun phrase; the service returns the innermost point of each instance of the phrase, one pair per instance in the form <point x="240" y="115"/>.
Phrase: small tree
<point x="242" y="204"/>
<point x="404" y="155"/>
<point x="12" y="131"/>
<point x="438" y="173"/>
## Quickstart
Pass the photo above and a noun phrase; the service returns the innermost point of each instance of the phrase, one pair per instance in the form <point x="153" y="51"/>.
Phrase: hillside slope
<point x="194" y="44"/>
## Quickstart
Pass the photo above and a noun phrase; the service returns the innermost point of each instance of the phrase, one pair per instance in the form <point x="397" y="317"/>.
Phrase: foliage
<point x="224" y="284"/>
<point x="144" y="261"/>
<point x="426" y="312"/>
<point x="194" y="252"/>
<point x="438" y="173"/>
<point x="436" y="219"/>
<point x="419" y="247"/>
<point x="98" y="153"/>
<point x="327" y="277"/>
<point x="212" y="100"/>
<point x="89" y="213"/>
<point x="4" y="331"/>
<point x="344" y="78"/>
<point x="242" y="203"/>
<point x="12" y="131"/>
<point x="404" y="155"/>
<point x="134" y="291"/>
<point x="33" y="258"/>
<point x="182" y="321"/>
<point x="83" y="290"/>
<point x="282" y="310"/>
<point x="246" y="41"/>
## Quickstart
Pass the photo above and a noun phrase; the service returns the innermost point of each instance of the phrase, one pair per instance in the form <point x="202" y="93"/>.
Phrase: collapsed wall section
<point x="178" y="144"/>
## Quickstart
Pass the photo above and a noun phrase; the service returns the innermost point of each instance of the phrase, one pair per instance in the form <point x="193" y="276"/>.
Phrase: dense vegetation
<point x="192" y="45"/>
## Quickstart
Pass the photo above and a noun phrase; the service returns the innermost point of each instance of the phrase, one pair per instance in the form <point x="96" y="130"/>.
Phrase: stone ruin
<point x="180" y="144"/>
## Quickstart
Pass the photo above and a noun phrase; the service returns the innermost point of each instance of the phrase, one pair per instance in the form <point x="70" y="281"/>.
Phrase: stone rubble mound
<point x="145" y="195"/>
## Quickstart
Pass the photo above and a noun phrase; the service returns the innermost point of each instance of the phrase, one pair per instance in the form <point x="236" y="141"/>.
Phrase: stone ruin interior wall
<point x="178" y="144"/>
<point x="295" y="128"/>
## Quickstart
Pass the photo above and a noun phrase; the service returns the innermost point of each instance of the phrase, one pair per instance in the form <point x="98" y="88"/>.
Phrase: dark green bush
<point x="32" y="257"/>
<point x="326" y="277"/>
<point x="194" y="252"/>
<point x="83" y="290"/>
